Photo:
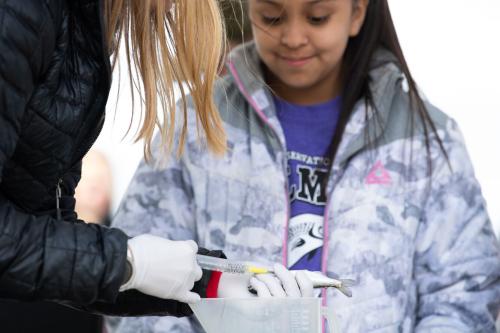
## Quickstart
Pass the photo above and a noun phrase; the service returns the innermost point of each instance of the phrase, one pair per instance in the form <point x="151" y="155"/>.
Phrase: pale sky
<point x="453" y="50"/>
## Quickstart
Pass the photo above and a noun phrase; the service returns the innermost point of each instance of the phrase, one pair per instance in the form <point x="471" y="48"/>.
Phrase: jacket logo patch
<point x="378" y="175"/>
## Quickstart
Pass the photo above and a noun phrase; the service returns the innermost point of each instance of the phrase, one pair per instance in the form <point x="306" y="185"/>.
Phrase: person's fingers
<point x="260" y="287"/>
<point x="190" y="298"/>
<point x="288" y="281"/>
<point x="273" y="284"/>
<point x="305" y="284"/>
<point x="193" y="247"/>
<point x="192" y="244"/>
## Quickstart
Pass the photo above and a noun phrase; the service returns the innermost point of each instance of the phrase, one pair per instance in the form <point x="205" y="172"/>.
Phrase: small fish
<point x="321" y="281"/>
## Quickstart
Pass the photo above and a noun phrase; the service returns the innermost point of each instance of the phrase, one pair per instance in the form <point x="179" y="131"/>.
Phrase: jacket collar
<point x="245" y="67"/>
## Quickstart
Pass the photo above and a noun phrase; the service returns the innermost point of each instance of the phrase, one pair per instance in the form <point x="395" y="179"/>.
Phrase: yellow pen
<point x="231" y="266"/>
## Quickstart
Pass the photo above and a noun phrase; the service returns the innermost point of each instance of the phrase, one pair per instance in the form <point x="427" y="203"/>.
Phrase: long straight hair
<point x="378" y="30"/>
<point x="167" y="48"/>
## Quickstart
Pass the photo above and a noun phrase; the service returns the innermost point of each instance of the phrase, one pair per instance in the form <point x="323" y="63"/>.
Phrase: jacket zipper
<point x="58" y="198"/>
<point x="284" y="163"/>
<point x="324" y="252"/>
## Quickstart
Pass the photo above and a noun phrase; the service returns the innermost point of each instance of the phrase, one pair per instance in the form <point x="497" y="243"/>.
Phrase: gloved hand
<point x="283" y="283"/>
<point x="164" y="268"/>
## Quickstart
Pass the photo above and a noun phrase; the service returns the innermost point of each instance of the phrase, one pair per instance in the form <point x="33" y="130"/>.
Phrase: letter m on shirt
<point x="312" y="182"/>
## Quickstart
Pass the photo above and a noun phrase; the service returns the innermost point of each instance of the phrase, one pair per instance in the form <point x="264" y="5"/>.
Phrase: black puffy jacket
<point x="54" y="82"/>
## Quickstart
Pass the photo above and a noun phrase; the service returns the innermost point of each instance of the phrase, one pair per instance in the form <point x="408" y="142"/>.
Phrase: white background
<point x="453" y="50"/>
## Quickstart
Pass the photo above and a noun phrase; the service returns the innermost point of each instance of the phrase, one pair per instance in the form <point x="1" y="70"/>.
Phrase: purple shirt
<point x="308" y="132"/>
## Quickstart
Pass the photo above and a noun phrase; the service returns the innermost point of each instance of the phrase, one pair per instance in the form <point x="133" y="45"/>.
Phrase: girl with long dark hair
<point x="336" y="163"/>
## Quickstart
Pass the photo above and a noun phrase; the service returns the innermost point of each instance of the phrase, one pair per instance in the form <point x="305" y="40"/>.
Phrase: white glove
<point x="283" y="283"/>
<point x="164" y="268"/>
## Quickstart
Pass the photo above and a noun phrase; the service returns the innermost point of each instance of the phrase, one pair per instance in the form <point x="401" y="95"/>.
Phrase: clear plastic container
<point x="263" y="315"/>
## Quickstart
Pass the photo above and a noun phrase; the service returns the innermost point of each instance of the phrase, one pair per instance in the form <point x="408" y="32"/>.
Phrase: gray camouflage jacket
<point x="420" y="245"/>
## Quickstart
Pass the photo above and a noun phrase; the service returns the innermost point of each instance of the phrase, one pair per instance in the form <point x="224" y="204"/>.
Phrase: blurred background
<point x="453" y="51"/>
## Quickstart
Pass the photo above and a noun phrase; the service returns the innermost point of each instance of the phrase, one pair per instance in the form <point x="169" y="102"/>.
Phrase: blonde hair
<point x="165" y="48"/>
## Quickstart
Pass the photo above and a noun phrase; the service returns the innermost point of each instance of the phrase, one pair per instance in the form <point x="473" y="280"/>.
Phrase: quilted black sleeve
<point x="40" y="257"/>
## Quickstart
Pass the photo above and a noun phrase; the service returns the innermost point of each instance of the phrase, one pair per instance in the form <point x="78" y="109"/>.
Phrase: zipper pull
<point x="58" y="197"/>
